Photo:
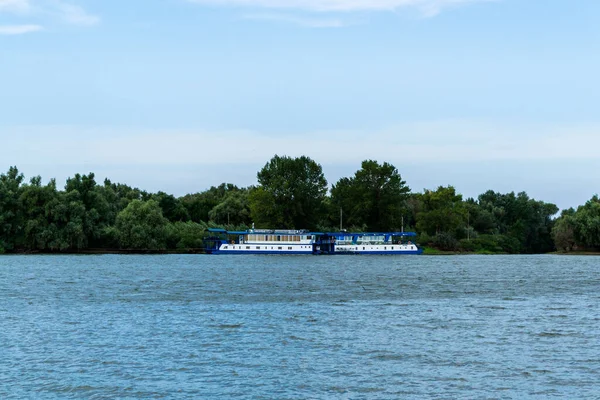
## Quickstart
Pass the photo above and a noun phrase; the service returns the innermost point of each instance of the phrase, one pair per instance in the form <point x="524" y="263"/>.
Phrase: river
<point x="299" y="327"/>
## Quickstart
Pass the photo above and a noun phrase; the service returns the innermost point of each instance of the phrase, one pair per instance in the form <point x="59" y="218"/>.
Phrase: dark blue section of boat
<point x="375" y="253"/>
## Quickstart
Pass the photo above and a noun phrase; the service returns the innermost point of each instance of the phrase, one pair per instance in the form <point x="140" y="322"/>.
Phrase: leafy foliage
<point x="375" y="197"/>
<point x="442" y="212"/>
<point x="579" y="229"/>
<point x="290" y="194"/>
<point x="141" y="225"/>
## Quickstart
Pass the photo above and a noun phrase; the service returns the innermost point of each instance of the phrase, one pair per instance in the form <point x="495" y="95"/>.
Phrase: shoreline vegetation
<point x="87" y="217"/>
<point x="428" y="251"/>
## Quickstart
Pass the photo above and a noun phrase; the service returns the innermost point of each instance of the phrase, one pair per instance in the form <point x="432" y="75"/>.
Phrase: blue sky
<point x="179" y="95"/>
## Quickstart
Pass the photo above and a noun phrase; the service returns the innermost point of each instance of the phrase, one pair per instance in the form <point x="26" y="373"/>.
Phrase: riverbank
<point x="107" y="251"/>
<point x="427" y="251"/>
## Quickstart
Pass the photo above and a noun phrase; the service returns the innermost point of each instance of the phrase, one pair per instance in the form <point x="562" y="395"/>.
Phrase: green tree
<point x="199" y="205"/>
<point x="90" y="210"/>
<point x="587" y="223"/>
<point x="141" y="225"/>
<point x="38" y="202"/>
<point x="290" y="194"/>
<point x="563" y="231"/>
<point x="11" y="212"/>
<point x="172" y="208"/>
<point x="443" y="211"/>
<point x="234" y="209"/>
<point x="525" y="222"/>
<point x="186" y="235"/>
<point x="375" y="197"/>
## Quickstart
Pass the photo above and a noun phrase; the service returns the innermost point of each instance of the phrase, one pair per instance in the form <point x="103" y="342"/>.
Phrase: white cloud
<point x="417" y="143"/>
<point x="300" y="21"/>
<point x="76" y="15"/>
<point x="15" y="6"/>
<point x="43" y="11"/>
<point x="18" y="29"/>
<point x="551" y="163"/>
<point x="428" y="7"/>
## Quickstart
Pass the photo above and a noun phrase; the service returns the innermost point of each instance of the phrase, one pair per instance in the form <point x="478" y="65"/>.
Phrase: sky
<point x="181" y="95"/>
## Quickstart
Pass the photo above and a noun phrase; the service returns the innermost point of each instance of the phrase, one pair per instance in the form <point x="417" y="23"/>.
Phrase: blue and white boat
<point x="376" y="243"/>
<point x="280" y="241"/>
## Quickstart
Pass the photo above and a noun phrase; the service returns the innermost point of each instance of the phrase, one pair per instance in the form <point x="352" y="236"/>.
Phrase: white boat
<point x="260" y="241"/>
<point x="276" y="241"/>
<point x="376" y="243"/>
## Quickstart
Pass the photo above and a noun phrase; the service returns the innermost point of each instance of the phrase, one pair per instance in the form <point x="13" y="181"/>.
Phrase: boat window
<point x="279" y="248"/>
<point x="257" y="247"/>
<point x="289" y="248"/>
<point x="247" y="247"/>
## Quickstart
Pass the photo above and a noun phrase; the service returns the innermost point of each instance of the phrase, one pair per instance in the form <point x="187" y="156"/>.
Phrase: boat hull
<point x="381" y="252"/>
<point x="381" y="249"/>
<point x="246" y="252"/>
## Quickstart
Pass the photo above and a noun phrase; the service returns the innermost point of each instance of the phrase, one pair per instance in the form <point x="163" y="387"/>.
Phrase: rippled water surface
<point x="299" y="327"/>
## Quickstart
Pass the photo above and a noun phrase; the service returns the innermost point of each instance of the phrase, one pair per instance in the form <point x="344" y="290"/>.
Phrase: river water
<point x="299" y="327"/>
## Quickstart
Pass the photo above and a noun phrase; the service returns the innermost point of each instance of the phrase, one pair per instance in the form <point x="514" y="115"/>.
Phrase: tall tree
<point x="525" y="223"/>
<point x="234" y="209"/>
<point x="443" y="212"/>
<point x="11" y="212"/>
<point x="199" y="205"/>
<point x="290" y="194"/>
<point x="374" y="198"/>
<point x="89" y="209"/>
<point x="38" y="202"/>
<point x="172" y="208"/>
<point x="141" y="225"/>
<point x="563" y="231"/>
<point x="587" y="223"/>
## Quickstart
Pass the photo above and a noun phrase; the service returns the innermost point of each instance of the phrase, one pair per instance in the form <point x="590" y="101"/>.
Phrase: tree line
<point x="291" y="193"/>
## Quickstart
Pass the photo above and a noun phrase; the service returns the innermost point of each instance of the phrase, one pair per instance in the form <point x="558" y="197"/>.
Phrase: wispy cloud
<point x="15" y="6"/>
<point x="452" y="141"/>
<point x="473" y="155"/>
<point x="32" y="15"/>
<point x="309" y="22"/>
<point x="18" y="29"/>
<point x="75" y="15"/>
<point x="428" y="7"/>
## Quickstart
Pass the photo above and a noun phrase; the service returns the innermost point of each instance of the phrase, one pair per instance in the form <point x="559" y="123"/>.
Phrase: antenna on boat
<point x="341" y="219"/>
<point x="402" y="227"/>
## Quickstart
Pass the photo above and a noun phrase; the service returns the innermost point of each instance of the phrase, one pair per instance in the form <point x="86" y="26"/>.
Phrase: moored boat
<point x="280" y="241"/>
<point x="260" y="241"/>
<point x="376" y="243"/>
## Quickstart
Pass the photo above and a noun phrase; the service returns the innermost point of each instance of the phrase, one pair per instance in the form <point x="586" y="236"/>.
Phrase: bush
<point x="186" y="235"/>
<point x="470" y="246"/>
<point x="445" y="241"/>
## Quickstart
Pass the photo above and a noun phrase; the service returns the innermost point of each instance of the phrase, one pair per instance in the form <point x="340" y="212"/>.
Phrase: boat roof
<point x="344" y="234"/>
<point x="304" y="232"/>
<point x="263" y="231"/>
